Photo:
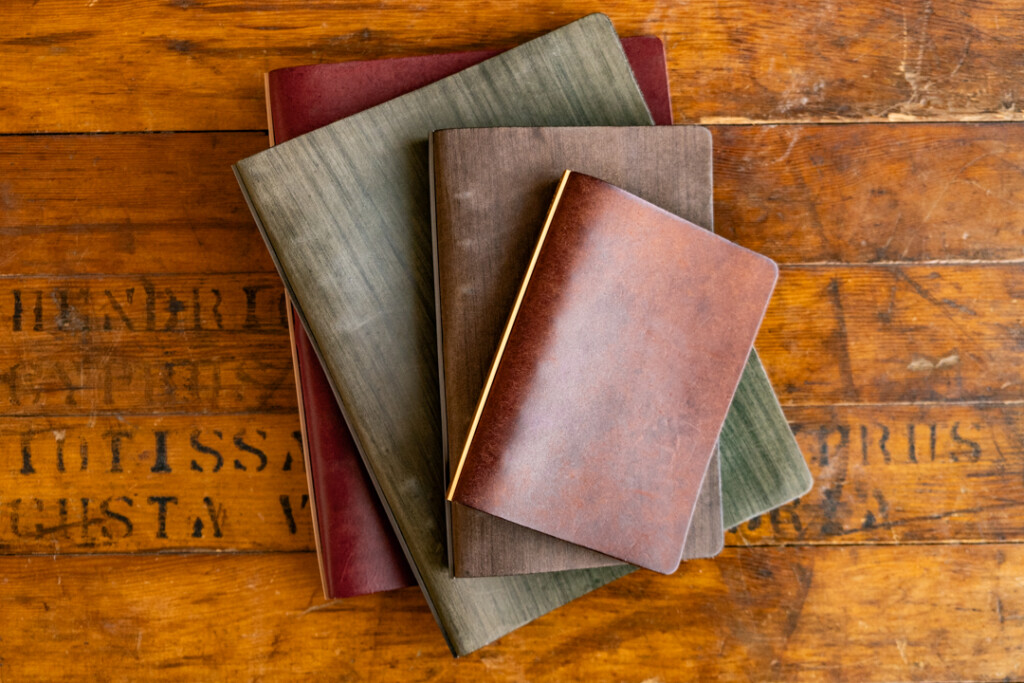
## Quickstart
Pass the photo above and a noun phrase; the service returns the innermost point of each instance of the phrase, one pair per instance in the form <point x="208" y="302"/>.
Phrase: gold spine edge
<point x="270" y="113"/>
<point x="505" y="335"/>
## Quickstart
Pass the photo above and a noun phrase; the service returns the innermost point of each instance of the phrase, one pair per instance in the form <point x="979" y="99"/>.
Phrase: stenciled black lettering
<point x="251" y="320"/>
<point x="161" y="464"/>
<point x="297" y="435"/>
<point x="26" y="453"/>
<point x="115" y="436"/>
<point x="10" y="378"/>
<point x="215" y="311"/>
<point x="174" y="307"/>
<point x="206" y="450"/>
<point x="116" y="516"/>
<point x="911" y="445"/>
<point x="37" y="313"/>
<point x="216" y="514"/>
<point x="16" y="318"/>
<point x="86" y="522"/>
<point x="108" y="324"/>
<point x="886" y="456"/>
<point x="161" y="514"/>
<point x="59" y="438"/>
<point x="197" y="318"/>
<point x="15" y="506"/>
<point x="974" y="446"/>
<point x="289" y="516"/>
<point x="241" y="445"/>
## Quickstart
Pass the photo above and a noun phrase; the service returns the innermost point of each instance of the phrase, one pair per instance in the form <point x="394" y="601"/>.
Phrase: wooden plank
<point x="883" y="474"/>
<point x="799" y="194"/>
<point x="903" y="474"/>
<point x="852" y="334"/>
<point x="144" y="344"/>
<point x="142" y="483"/>
<point x="116" y="308"/>
<point x="846" y="613"/>
<point x="872" y="193"/>
<point x="127" y="204"/>
<point x="223" y="377"/>
<point x="895" y="333"/>
<point x="198" y="65"/>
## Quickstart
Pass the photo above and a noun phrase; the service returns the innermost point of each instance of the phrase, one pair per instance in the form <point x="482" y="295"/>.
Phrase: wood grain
<point x="144" y="344"/>
<point x="144" y="483"/>
<point x="799" y="194"/>
<point x="903" y="474"/>
<point x="788" y="614"/>
<point x="127" y="204"/>
<point x="872" y="193"/>
<point x="885" y="474"/>
<point x="187" y="65"/>
<point x="895" y="333"/>
<point x="833" y="333"/>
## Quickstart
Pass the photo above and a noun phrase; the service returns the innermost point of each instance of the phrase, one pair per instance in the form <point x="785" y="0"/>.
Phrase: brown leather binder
<point x="613" y="376"/>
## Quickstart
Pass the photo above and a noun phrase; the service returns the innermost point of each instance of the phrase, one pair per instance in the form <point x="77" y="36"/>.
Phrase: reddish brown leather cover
<point x="613" y="380"/>
<point x="359" y="551"/>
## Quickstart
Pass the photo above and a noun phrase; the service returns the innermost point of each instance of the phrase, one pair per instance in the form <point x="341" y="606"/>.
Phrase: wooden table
<point x="153" y="519"/>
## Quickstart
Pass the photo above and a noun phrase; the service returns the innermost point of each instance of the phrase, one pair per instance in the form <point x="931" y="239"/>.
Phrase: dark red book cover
<point x="358" y="551"/>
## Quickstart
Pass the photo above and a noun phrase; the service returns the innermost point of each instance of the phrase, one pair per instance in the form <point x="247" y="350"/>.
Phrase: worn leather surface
<point x="616" y="378"/>
<point x="360" y="553"/>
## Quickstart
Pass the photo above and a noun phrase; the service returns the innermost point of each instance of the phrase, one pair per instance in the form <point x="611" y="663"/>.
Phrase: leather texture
<point x="616" y="376"/>
<point x="491" y="190"/>
<point x="359" y="552"/>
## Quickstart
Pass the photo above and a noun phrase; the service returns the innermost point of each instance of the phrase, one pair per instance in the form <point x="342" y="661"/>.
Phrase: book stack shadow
<point x="524" y="360"/>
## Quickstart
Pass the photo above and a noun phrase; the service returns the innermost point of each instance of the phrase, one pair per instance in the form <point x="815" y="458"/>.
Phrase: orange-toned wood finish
<point x="152" y="511"/>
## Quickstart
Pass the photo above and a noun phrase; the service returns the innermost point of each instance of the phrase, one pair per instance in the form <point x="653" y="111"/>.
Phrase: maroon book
<point x="356" y="546"/>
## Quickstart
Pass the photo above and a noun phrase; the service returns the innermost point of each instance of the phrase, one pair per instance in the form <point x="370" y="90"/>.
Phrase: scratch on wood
<point x="925" y="365"/>
<point x="901" y="645"/>
<point x="842" y="341"/>
<point x="317" y="608"/>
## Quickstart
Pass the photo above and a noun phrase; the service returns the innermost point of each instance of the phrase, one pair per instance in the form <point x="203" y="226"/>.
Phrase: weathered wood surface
<point x="928" y="473"/>
<point x="800" y="194"/>
<point x="198" y="65"/>
<point x="885" y="474"/>
<point x="787" y="614"/>
<point x="217" y="343"/>
<point x="894" y="339"/>
<point x="124" y="484"/>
